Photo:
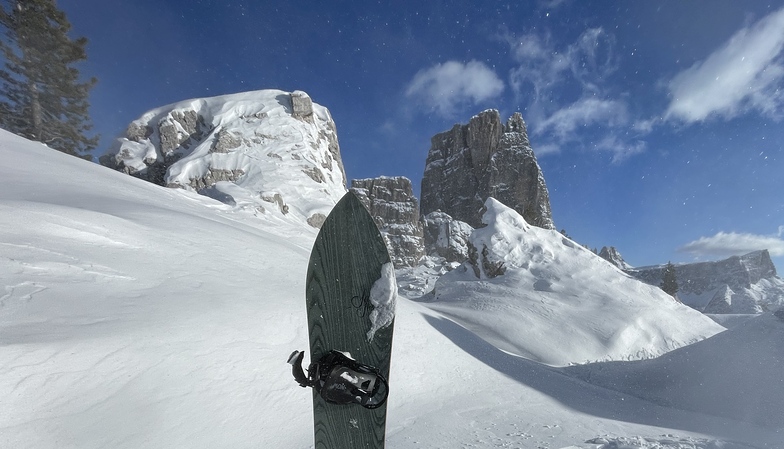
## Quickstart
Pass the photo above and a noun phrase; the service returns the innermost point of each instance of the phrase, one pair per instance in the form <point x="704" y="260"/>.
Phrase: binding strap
<point x="341" y="380"/>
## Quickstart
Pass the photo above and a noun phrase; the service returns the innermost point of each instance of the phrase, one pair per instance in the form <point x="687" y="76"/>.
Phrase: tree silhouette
<point x="669" y="281"/>
<point x="41" y="97"/>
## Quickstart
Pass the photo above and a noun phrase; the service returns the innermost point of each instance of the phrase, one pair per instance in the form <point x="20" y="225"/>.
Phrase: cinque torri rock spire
<point x="482" y="159"/>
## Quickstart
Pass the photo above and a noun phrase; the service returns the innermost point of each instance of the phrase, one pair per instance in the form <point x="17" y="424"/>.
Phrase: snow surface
<point x="557" y="302"/>
<point x="135" y="316"/>
<point x="737" y="384"/>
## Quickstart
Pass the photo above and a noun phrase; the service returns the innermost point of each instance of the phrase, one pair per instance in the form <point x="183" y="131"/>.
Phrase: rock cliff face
<point x="610" y="254"/>
<point x="393" y="206"/>
<point x="482" y="159"/>
<point x="446" y="237"/>
<point x="739" y="284"/>
<point x="271" y="152"/>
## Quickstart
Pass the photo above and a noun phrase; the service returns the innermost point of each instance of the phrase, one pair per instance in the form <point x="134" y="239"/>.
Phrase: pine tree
<point x="669" y="281"/>
<point x="42" y="97"/>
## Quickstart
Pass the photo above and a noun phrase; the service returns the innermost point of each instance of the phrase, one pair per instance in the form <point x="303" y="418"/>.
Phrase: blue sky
<point x="658" y="125"/>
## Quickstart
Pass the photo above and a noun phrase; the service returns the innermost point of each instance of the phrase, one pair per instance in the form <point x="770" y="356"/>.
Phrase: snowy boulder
<point x="535" y="293"/>
<point x="301" y="105"/>
<point x="270" y="152"/>
<point x="446" y="237"/>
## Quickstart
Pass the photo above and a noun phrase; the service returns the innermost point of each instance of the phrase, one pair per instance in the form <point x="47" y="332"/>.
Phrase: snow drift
<point x="558" y="303"/>
<point x="746" y="383"/>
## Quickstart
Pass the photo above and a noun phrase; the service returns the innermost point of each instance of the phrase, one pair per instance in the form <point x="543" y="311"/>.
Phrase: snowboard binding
<point x="341" y="380"/>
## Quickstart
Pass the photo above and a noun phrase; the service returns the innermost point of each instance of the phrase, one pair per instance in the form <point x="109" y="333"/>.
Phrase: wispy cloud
<point x="551" y="3"/>
<point x="621" y="149"/>
<point x="541" y="68"/>
<point x="544" y="71"/>
<point x="445" y="87"/>
<point x="564" y="122"/>
<point x="592" y="58"/>
<point x="725" y="244"/>
<point x="745" y="73"/>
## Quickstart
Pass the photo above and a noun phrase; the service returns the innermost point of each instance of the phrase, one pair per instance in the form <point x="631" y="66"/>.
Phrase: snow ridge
<point x="524" y="283"/>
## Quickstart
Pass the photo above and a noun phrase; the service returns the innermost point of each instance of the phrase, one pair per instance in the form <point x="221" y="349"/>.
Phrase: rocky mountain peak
<point x="485" y="158"/>
<point x="516" y="124"/>
<point x="611" y="254"/>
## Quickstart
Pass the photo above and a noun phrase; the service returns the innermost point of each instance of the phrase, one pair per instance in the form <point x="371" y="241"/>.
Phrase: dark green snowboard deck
<point x="346" y="261"/>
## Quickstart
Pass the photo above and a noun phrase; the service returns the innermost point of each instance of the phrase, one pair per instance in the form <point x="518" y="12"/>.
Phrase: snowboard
<point x="350" y="295"/>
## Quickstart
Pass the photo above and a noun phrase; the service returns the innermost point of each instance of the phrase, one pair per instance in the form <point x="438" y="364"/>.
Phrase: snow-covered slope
<point x="549" y="280"/>
<point x="134" y="316"/>
<point x="270" y="152"/>
<point x="746" y="383"/>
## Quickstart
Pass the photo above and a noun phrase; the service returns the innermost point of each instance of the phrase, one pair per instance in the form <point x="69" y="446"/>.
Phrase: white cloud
<point x="588" y="61"/>
<point x="726" y="244"/>
<point x="446" y="86"/>
<point x="547" y="148"/>
<point x="551" y="4"/>
<point x="645" y="126"/>
<point x="621" y="149"/>
<point x="585" y="66"/>
<point x="592" y="58"/>
<point x="744" y="73"/>
<point x="565" y="123"/>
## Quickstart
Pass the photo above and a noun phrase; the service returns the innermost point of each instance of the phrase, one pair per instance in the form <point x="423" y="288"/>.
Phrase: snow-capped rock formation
<point x="393" y="206"/>
<point x="485" y="158"/>
<point x="739" y="284"/>
<point x="523" y="282"/>
<point x="610" y="254"/>
<point x="271" y="152"/>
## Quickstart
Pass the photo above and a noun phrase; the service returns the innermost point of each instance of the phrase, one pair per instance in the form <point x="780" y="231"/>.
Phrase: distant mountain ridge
<point x="746" y="284"/>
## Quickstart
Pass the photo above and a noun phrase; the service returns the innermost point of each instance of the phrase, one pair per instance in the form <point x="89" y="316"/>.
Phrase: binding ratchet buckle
<point x="341" y="380"/>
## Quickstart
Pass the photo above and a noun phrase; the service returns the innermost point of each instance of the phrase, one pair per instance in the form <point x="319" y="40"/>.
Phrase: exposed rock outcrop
<point x="485" y="158"/>
<point x="266" y="151"/>
<point x="301" y="105"/>
<point x="393" y="206"/>
<point x="446" y="237"/>
<point x="610" y="254"/>
<point x="739" y="284"/>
